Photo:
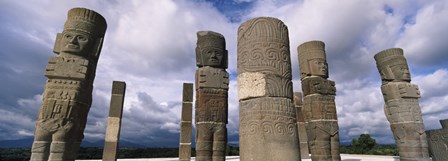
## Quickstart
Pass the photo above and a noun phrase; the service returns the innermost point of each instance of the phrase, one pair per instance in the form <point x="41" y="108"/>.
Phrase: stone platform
<point x="345" y="157"/>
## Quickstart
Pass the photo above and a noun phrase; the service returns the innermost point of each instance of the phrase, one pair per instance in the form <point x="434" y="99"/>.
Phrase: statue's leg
<point x="66" y="143"/>
<point x="322" y="146"/>
<point x="41" y="145"/>
<point x="335" y="155"/>
<point x="204" y="142"/>
<point x="220" y="142"/>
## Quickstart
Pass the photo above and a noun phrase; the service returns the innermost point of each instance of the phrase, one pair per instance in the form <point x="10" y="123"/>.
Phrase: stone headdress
<point x="309" y="51"/>
<point x="87" y="21"/>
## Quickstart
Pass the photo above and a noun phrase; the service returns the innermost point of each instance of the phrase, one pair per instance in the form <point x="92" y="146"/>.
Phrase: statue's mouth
<point x="72" y="46"/>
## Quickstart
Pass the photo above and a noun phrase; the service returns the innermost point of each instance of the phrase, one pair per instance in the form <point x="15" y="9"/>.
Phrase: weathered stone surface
<point x="319" y="107"/>
<point x="209" y="77"/>
<point x="301" y="126"/>
<point x="114" y="121"/>
<point x="187" y="95"/>
<point x="257" y="84"/>
<point x="438" y="142"/>
<point x="211" y="50"/>
<point x="211" y="141"/>
<point x="212" y="84"/>
<point x="185" y="152"/>
<point x="185" y="123"/>
<point x="268" y="125"/>
<point x="68" y="91"/>
<point x="444" y="123"/>
<point x="401" y="105"/>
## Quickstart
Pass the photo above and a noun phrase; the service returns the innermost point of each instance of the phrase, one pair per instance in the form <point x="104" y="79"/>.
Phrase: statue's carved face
<point x="74" y="42"/>
<point x="213" y="56"/>
<point x="401" y="72"/>
<point x="318" y="67"/>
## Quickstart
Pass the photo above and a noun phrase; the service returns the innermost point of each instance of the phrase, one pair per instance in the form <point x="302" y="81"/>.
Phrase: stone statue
<point x="212" y="84"/>
<point x="401" y="105"/>
<point x="68" y="91"/>
<point x="185" y="123"/>
<point x="268" y="124"/>
<point x="319" y="107"/>
<point x="438" y="142"/>
<point x="110" y="150"/>
<point x="301" y="126"/>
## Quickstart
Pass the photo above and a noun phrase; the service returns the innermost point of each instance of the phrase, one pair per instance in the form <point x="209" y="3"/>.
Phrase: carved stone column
<point x="301" y="126"/>
<point x="438" y="142"/>
<point x="268" y="124"/>
<point x="114" y="121"/>
<point x="185" y="123"/>
<point x="401" y="105"/>
<point x="212" y="84"/>
<point x="68" y="92"/>
<point x="319" y="107"/>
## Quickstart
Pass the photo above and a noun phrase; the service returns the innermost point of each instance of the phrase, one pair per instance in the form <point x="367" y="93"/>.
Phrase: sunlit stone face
<point x="75" y="42"/>
<point x="318" y="67"/>
<point x="401" y="72"/>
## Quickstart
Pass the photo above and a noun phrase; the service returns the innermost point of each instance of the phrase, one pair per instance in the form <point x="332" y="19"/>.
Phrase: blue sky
<point x="150" y="45"/>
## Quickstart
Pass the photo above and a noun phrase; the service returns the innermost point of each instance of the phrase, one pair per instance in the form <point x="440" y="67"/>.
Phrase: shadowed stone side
<point x="68" y="92"/>
<point x="301" y="126"/>
<point x="114" y="121"/>
<point x="438" y="142"/>
<point x="185" y="123"/>
<point x="268" y="124"/>
<point x="401" y="105"/>
<point x="319" y="108"/>
<point x="212" y="84"/>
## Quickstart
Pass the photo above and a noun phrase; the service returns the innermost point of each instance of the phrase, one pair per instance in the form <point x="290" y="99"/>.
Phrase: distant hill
<point x="28" y="142"/>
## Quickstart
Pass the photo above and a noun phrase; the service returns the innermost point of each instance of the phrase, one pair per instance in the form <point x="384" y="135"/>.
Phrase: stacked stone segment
<point x="301" y="126"/>
<point x="114" y="121"/>
<point x="401" y="105"/>
<point x="438" y="142"/>
<point x="268" y="124"/>
<point x="319" y="108"/>
<point x="185" y="123"/>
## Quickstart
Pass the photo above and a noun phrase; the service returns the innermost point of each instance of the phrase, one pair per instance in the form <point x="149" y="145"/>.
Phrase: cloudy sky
<point x="150" y="45"/>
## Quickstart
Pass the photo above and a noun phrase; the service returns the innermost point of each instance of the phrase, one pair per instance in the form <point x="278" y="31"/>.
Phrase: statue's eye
<point x="82" y="38"/>
<point x="68" y="36"/>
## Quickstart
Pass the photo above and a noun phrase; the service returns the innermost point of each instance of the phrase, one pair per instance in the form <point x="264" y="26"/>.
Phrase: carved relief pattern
<point x="438" y="144"/>
<point x="263" y="46"/>
<point x="211" y="105"/>
<point x="318" y="85"/>
<point x="208" y="77"/>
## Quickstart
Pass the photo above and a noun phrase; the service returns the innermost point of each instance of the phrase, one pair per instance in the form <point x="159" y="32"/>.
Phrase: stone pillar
<point x="185" y="122"/>
<point x="268" y="124"/>
<point x="303" y="139"/>
<point x="319" y="107"/>
<point x="401" y="105"/>
<point x="438" y="142"/>
<point x="68" y="92"/>
<point x="212" y="84"/>
<point x="114" y="121"/>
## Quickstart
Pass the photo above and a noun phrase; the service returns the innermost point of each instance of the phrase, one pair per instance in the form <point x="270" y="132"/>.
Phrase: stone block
<point x="318" y="85"/>
<point x="187" y="92"/>
<point x="211" y="105"/>
<point x="253" y="85"/>
<point x="187" y="112"/>
<point x="209" y="77"/>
